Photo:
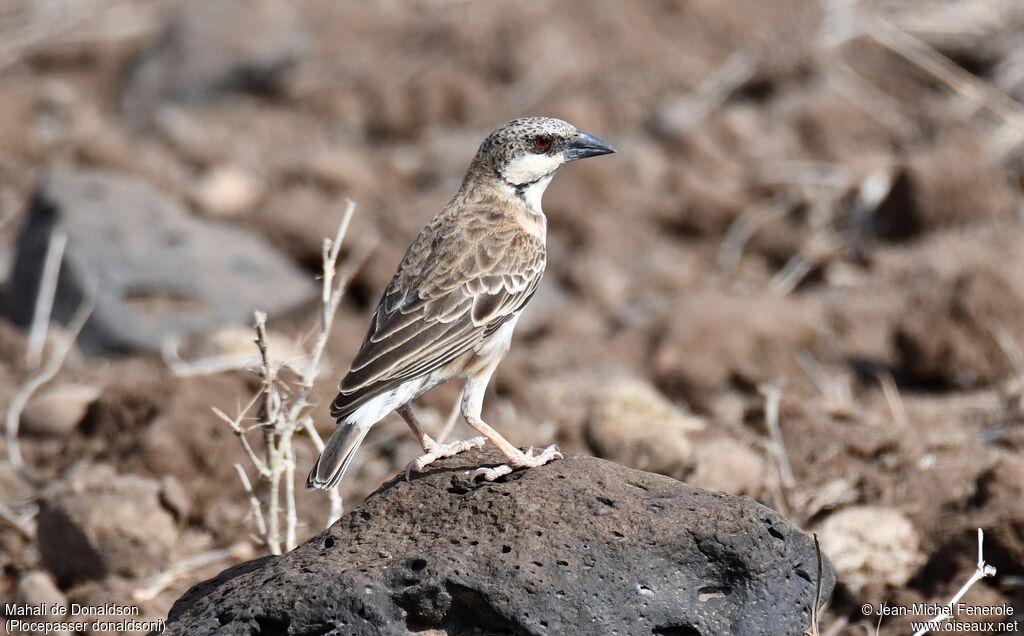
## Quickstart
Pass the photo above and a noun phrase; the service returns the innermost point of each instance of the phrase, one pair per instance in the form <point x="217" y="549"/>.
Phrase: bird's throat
<point x="532" y="193"/>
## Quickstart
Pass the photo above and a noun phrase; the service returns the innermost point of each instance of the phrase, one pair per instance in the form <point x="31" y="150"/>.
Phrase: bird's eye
<point x="542" y="142"/>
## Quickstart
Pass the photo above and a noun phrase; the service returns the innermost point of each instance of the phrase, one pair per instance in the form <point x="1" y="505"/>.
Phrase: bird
<point x="452" y="305"/>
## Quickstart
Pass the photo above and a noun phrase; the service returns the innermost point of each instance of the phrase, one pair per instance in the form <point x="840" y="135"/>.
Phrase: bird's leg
<point x="432" y="450"/>
<point x="472" y="404"/>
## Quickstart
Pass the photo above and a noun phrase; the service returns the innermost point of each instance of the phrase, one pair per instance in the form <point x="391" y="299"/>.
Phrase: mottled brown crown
<point x="520" y="137"/>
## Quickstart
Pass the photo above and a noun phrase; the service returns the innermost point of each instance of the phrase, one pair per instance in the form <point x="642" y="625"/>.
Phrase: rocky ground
<point x="815" y="207"/>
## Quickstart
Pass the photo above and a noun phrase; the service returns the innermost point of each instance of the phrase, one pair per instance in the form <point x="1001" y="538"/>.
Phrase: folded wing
<point x="457" y="284"/>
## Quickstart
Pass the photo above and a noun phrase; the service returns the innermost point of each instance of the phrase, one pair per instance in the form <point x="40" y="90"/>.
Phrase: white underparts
<point x="481" y="363"/>
<point x="378" y="408"/>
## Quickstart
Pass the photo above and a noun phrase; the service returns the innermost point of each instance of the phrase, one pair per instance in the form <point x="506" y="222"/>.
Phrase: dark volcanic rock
<point x="579" y="544"/>
<point x="157" y="270"/>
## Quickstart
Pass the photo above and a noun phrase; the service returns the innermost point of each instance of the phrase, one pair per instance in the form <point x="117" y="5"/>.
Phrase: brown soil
<point x="386" y="108"/>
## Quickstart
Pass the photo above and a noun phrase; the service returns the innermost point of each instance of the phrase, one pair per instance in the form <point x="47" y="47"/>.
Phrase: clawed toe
<point x="490" y="474"/>
<point x="440" y="452"/>
<point x="526" y="460"/>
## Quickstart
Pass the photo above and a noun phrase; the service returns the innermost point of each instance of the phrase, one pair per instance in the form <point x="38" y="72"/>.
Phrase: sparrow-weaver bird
<point x="450" y="309"/>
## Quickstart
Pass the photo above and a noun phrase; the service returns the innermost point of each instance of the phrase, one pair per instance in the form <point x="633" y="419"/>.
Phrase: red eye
<point x="542" y="142"/>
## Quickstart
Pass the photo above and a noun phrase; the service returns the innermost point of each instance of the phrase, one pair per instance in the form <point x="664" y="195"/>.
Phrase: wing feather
<point x="461" y="279"/>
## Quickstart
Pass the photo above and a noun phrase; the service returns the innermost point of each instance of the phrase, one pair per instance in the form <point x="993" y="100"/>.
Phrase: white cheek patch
<point x="530" y="168"/>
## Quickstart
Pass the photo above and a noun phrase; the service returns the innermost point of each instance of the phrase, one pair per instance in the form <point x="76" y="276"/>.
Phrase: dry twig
<point x="44" y="298"/>
<point x="254" y="502"/>
<point x="948" y="72"/>
<point x="209" y="365"/>
<point x="982" y="570"/>
<point x="285" y="408"/>
<point x="27" y="390"/>
<point x="893" y="399"/>
<point x="731" y="251"/>
<point x="688" y="111"/>
<point x="813" y="629"/>
<point x="838" y="397"/>
<point x="772" y="399"/>
<point x="25" y="528"/>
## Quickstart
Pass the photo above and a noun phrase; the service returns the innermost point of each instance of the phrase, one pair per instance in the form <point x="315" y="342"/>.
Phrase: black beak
<point x="585" y="145"/>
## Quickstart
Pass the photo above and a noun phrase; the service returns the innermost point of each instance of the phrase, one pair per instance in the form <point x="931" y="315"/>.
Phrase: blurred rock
<point x="209" y="47"/>
<point x="58" y="411"/>
<point x="158" y="272"/>
<point x="715" y="339"/>
<point x="632" y="424"/>
<point x="998" y="489"/>
<point x="951" y="184"/>
<point x="579" y="541"/>
<point x="174" y="498"/>
<point x="547" y="307"/>
<point x="313" y="214"/>
<point x="606" y="282"/>
<point x="239" y="341"/>
<point x="871" y="544"/>
<point x="123" y="592"/>
<point x="949" y="329"/>
<point x="227" y="191"/>
<point x="725" y="465"/>
<point x="122" y="414"/>
<point x="37" y="588"/>
<point x="831" y="495"/>
<point x="334" y="168"/>
<point x="100" y="523"/>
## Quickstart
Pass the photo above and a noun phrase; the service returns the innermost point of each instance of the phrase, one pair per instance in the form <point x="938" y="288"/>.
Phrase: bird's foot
<point x="439" y="451"/>
<point x="525" y="460"/>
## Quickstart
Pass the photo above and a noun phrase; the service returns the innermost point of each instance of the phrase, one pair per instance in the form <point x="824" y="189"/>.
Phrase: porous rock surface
<point x="581" y="545"/>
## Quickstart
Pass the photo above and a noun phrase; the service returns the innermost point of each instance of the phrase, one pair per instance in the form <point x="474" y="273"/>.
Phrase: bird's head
<point x="528" y="151"/>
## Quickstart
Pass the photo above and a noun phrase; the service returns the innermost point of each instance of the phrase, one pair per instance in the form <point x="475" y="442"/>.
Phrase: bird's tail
<point x="338" y="452"/>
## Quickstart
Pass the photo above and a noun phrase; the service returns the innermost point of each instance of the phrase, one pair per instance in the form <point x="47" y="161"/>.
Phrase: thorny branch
<point x="285" y="408"/>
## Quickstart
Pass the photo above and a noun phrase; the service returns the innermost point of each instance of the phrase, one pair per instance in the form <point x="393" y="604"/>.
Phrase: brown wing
<point x="461" y="279"/>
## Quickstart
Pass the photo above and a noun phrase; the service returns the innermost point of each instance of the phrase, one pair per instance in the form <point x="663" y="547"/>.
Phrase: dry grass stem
<point x="838" y="396"/>
<point x="210" y="365"/>
<point x="817" y="249"/>
<point x="773" y="398"/>
<point x="44" y="298"/>
<point x="867" y="97"/>
<point x="40" y="378"/>
<point x="948" y="72"/>
<point x="692" y="109"/>
<point x="1010" y="349"/>
<point x="813" y="629"/>
<point x="744" y="227"/>
<point x="893" y="399"/>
